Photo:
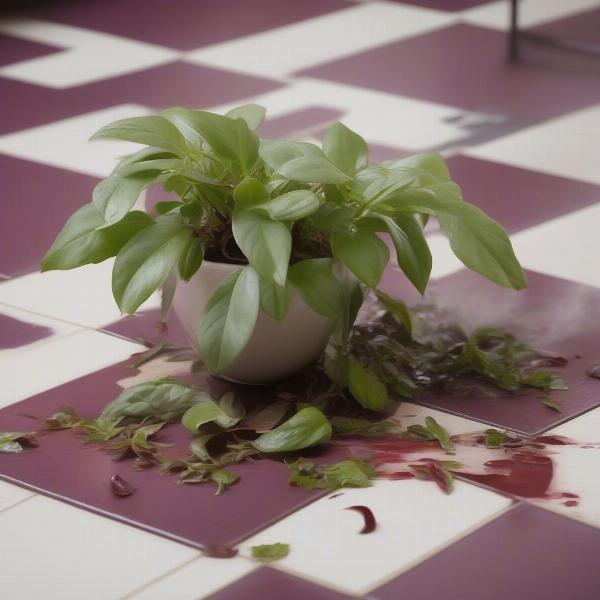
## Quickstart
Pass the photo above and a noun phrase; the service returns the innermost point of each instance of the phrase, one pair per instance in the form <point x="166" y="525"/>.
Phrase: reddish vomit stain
<point x="397" y="475"/>
<point x="571" y="503"/>
<point x="219" y="551"/>
<point x="370" y="524"/>
<point x="553" y="440"/>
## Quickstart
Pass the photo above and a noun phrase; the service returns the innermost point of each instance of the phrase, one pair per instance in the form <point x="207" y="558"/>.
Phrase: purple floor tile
<point x="15" y="333"/>
<point x="36" y="202"/>
<point x="526" y="553"/>
<point x="298" y="121"/>
<point x="551" y="314"/>
<point x="271" y="583"/>
<point x="518" y="198"/>
<point x="184" y="24"/>
<point x="62" y="467"/>
<point x="582" y="27"/>
<point x="175" y="84"/>
<point x="13" y="49"/>
<point x="465" y="66"/>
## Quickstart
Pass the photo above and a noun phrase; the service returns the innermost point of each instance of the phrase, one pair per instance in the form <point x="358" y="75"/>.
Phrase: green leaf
<point x="224" y="479"/>
<point x="433" y="164"/>
<point x="319" y="286"/>
<point x="345" y="149"/>
<point x="229" y="138"/>
<point x="152" y="131"/>
<point x="270" y="552"/>
<point x="432" y="430"/>
<point x="308" y="427"/>
<point x="351" y="473"/>
<point x="265" y="419"/>
<point x="551" y="403"/>
<point x="166" y="206"/>
<point x="84" y="239"/>
<point x="144" y="263"/>
<point x="397" y="309"/>
<point x="362" y="252"/>
<point x="207" y="411"/>
<point x="115" y="195"/>
<point x="161" y="399"/>
<point x="191" y="258"/>
<point x="13" y="442"/>
<point x="364" y="428"/>
<point x="250" y="192"/>
<point x="483" y="246"/>
<point x="293" y="206"/>
<point x="228" y="319"/>
<point x="265" y="243"/>
<point x="366" y="388"/>
<point x="412" y="251"/>
<point x="300" y="161"/>
<point x="494" y="438"/>
<point x="253" y="114"/>
<point x="274" y="299"/>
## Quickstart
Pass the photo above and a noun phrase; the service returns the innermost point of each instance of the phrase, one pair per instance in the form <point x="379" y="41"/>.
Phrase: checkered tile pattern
<point x="410" y="75"/>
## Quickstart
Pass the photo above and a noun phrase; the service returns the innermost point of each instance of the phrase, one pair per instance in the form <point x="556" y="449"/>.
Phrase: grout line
<point x="17" y="503"/>
<point x="160" y="577"/>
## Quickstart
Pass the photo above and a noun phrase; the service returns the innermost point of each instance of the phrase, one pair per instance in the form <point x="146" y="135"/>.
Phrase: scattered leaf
<point x="270" y="552"/>
<point x="370" y="524"/>
<point x="120" y="487"/>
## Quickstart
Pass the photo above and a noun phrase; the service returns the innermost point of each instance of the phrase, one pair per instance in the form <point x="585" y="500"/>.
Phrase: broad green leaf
<point x="84" y="239"/>
<point x="319" y="286"/>
<point x="154" y="167"/>
<point x="441" y="198"/>
<point x="165" y="206"/>
<point x="115" y="195"/>
<point x="293" y="206"/>
<point x="330" y="216"/>
<point x="270" y="552"/>
<point x="397" y="309"/>
<point x="350" y="473"/>
<point x="274" y="299"/>
<point x="494" y="438"/>
<point x="364" y="428"/>
<point x="431" y="163"/>
<point x="375" y="185"/>
<point x="300" y="161"/>
<point x="440" y="434"/>
<point x="268" y="417"/>
<point x="308" y="427"/>
<point x="366" y="388"/>
<point x="345" y="149"/>
<point x="162" y="399"/>
<point x="352" y="300"/>
<point x="224" y="478"/>
<point x="265" y="243"/>
<point x="191" y="258"/>
<point x="250" y="192"/>
<point x="362" y="252"/>
<point x="412" y="251"/>
<point x="152" y="131"/>
<point x="145" y="262"/>
<point x="229" y="138"/>
<point x="207" y="411"/>
<point x="253" y="114"/>
<point x="228" y="319"/>
<point x="483" y="246"/>
<point x="313" y="169"/>
<point x="276" y="153"/>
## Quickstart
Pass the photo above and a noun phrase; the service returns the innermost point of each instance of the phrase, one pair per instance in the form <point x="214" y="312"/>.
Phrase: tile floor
<point x="410" y="75"/>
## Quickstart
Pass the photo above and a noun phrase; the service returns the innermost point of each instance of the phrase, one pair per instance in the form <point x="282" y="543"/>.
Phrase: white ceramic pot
<point x="276" y="349"/>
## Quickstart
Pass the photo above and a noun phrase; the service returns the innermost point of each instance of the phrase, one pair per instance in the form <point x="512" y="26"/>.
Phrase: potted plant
<point x="273" y="241"/>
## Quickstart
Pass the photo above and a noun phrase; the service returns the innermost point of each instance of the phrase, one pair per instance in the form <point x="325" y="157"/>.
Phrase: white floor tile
<point x="568" y="146"/>
<point x="55" y="328"/>
<point x="415" y="520"/>
<point x="29" y="372"/>
<point x="414" y="414"/>
<point x="12" y="494"/>
<point x="584" y="428"/>
<point x="54" y="550"/>
<point x="566" y="247"/>
<point x="387" y="119"/>
<point x="82" y="296"/>
<point x="197" y="580"/>
<point x="531" y="12"/>
<point x="279" y="52"/>
<point x="64" y="143"/>
<point x="88" y="56"/>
